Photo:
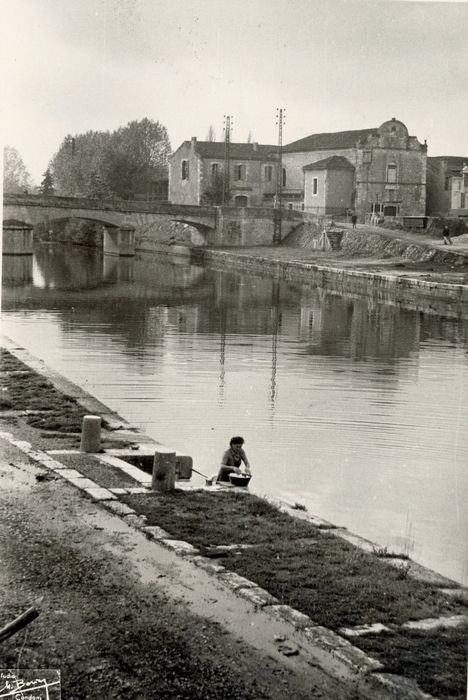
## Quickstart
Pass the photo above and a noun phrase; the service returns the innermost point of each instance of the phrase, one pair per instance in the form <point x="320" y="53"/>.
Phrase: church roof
<point x="336" y="139"/>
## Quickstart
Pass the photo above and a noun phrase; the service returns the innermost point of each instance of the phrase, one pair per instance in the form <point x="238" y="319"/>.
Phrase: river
<point x="356" y="410"/>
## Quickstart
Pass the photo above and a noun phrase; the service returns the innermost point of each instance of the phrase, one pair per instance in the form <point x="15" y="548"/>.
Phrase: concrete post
<point x="164" y="468"/>
<point x="91" y="434"/>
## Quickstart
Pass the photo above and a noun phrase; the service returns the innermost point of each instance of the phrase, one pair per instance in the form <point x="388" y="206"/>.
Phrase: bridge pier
<point x="119" y="240"/>
<point x="18" y="238"/>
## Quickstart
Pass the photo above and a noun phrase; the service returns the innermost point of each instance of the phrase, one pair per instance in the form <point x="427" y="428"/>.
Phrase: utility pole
<point x="228" y="122"/>
<point x="277" y="212"/>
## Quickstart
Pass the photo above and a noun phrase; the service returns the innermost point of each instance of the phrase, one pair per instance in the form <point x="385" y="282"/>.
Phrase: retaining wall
<point x="418" y="294"/>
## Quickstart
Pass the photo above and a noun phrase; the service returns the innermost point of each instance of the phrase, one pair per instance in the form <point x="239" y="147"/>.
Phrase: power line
<point x="228" y="124"/>
<point x="277" y="213"/>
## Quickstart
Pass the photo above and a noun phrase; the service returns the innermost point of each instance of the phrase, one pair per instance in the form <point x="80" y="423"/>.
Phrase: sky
<point x="70" y="66"/>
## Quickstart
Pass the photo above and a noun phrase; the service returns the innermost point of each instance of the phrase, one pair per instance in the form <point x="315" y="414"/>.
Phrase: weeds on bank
<point x="384" y="553"/>
<point x="437" y="660"/>
<point x="26" y="390"/>
<point x="299" y="506"/>
<point x="330" y="580"/>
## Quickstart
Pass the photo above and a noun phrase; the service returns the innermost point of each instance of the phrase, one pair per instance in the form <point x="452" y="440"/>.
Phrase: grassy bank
<point x="25" y="390"/>
<point x="333" y="582"/>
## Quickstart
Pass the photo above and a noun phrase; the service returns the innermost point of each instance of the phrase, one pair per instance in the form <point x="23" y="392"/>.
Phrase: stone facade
<point x="390" y="167"/>
<point x="446" y="185"/>
<point x="197" y="168"/>
<point x="459" y="193"/>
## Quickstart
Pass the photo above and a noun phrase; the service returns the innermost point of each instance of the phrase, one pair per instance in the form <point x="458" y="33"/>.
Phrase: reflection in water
<point x="276" y="318"/>
<point x="17" y="270"/>
<point x="354" y="408"/>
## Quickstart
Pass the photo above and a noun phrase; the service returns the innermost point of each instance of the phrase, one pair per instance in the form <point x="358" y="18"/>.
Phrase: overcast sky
<point x="69" y="66"/>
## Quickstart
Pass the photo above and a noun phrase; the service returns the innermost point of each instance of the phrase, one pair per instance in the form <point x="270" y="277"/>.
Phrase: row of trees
<point x="121" y="164"/>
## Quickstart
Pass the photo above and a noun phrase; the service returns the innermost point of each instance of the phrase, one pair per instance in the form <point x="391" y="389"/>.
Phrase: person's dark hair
<point x="236" y="440"/>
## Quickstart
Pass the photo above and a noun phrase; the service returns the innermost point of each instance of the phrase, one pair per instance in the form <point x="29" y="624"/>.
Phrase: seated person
<point x="231" y="461"/>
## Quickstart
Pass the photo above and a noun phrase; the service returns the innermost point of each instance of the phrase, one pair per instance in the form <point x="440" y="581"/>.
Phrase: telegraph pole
<point x="228" y="122"/>
<point x="277" y="213"/>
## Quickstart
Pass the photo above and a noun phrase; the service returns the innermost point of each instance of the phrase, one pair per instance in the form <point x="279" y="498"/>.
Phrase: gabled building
<point x="196" y="173"/>
<point x="329" y="186"/>
<point x="389" y="167"/>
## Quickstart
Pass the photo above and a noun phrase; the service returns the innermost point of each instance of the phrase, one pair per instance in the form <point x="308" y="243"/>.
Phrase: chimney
<point x="193" y="141"/>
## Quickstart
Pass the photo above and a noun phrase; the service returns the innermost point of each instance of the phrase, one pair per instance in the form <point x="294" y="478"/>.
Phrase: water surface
<point x="354" y="409"/>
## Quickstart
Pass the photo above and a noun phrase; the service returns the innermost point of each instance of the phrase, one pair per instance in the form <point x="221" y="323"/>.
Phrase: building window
<point x="239" y="172"/>
<point x="462" y="200"/>
<point x="391" y="172"/>
<point x="284" y="177"/>
<point x="214" y="169"/>
<point x="314" y="185"/>
<point x="391" y="194"/>
<point x="185" y="170"/>
<point x="446" y="184"/>
<point x="268" y="173"/>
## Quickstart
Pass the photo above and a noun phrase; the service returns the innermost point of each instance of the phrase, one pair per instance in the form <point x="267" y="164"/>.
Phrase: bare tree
<point x="15" y="176"/>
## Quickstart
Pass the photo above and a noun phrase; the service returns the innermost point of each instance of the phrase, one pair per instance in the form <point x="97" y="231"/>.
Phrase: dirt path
<point x="122" y="617"/>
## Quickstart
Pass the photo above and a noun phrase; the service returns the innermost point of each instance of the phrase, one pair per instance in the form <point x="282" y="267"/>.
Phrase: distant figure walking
<point x="446" y="235"/>
<point x="354" y="220"/>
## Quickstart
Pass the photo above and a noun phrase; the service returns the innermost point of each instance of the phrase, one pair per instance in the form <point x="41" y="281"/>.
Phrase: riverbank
<point x="333" y="584"/>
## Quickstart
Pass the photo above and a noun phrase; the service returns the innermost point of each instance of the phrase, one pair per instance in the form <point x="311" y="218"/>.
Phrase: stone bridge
<point x="122" y="220"/>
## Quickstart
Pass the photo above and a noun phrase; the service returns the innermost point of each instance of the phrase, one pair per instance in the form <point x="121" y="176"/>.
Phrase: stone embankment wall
<point x="411" y="292"/>
<point x="365" y="243"/>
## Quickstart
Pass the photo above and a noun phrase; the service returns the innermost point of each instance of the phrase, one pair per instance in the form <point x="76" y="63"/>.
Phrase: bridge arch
<point x="202" y="235"/>
<point x="46" y="215"/>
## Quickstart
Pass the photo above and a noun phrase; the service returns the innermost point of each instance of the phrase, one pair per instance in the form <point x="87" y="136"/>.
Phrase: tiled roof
<point x="337" y="139"/>
<point x="240" y="151"/>
<point x="330" y="163"/>
<point x="451" y="160"/>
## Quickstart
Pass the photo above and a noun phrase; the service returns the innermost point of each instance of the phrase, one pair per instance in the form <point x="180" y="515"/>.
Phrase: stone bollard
<point x="164" y="465"/>
<point x="91" y="434"/>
